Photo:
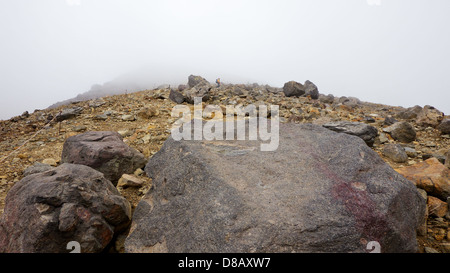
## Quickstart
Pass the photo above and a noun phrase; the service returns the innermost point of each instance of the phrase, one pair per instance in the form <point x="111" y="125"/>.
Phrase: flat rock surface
<point x="320" y="191"/>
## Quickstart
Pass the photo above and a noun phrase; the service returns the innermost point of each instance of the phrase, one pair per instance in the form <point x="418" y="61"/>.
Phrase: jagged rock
<point x="436" y="207"/>
<point x="69" y="113"/>
<point x="444" y="126"/>
<point x="429" y="117"/>
<point x="199" y="91"/>
<point x="181" y="87"/>
<point x="410" y="113"/>
<point x="320" y="191"/>
<point x="395" y="152"/>
<point x="429" y="175"/>
<point x="97" y="103"/>
<point x="311" y="90"/>
<point x="366" y="132"/>
<point x="45" y="211"/>
<point x="79" y="128"/>
<point x="293" y="89"/>
<point x="176" y="96"/>
<point x="130" y="181"/>
<point x="103" y="151"/>
<point x="401" y="131"/>
<point x="37" y="167"/>
<point x="197" y="81"/>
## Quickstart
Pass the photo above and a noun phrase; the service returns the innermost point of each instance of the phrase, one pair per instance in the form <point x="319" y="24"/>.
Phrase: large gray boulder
<point x="320" y="191"/>
<point x="45" y="211"/>
<point x="104" y="151"/>
<point x="293" y="89"/>
<point x="365" y="132"/>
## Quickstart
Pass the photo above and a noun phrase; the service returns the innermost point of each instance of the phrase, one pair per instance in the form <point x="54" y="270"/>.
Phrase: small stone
<point x="50" y="161"/>
<point x="410" y="152"/>
<point x="383" y="138"/>
<point x="130" y="181"/>
<point x="125" y="133"/>
<point x="101" y="117"/>
<point x="146" y="139"/>
<point x="430" y="250"/>
<point x="440" y="235"/>
<point x="138" y="172"/>
<point x="79" y="128"/>
<point x="128" y="118"/>
<point x="436" y="207"/>
<point x="395" y="152"/>
<point x="147" y="113"/>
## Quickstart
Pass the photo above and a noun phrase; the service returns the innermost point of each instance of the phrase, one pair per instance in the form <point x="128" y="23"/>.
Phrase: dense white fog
<point x="394" y="52"/>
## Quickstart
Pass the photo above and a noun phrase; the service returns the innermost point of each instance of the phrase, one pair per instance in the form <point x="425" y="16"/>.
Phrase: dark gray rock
<point x="199" y="91"/>
<point x="429" y="117"/>
<point x="45" y="211"/>
<point x="440" y="158"/>
<point x="388" y="121"/>
<point x="176" y="96"/>
<point x="349" y="101"/>
<point x="401" y="131"/>
<point x="197" y="81"/>
<point x="320" y="191"/>
<point x="395" y="152"/>
<point x="444" y="126"/>
<point x="311" y="90"/>
<point x="104" y="151"/>
<point x="366" y="132"/>
<point x="410" y="113"/>
<point x="37" y="168"/>
<point x="69" y="113"/>
<point x="326" y="98"/>
<point x="293" y="89"/>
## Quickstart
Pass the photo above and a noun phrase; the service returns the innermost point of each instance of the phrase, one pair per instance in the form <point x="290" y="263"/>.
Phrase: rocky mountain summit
<point x="107" y="173"/>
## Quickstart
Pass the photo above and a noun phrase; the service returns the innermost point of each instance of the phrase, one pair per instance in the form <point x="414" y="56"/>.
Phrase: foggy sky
<point x="396" y="53"/>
